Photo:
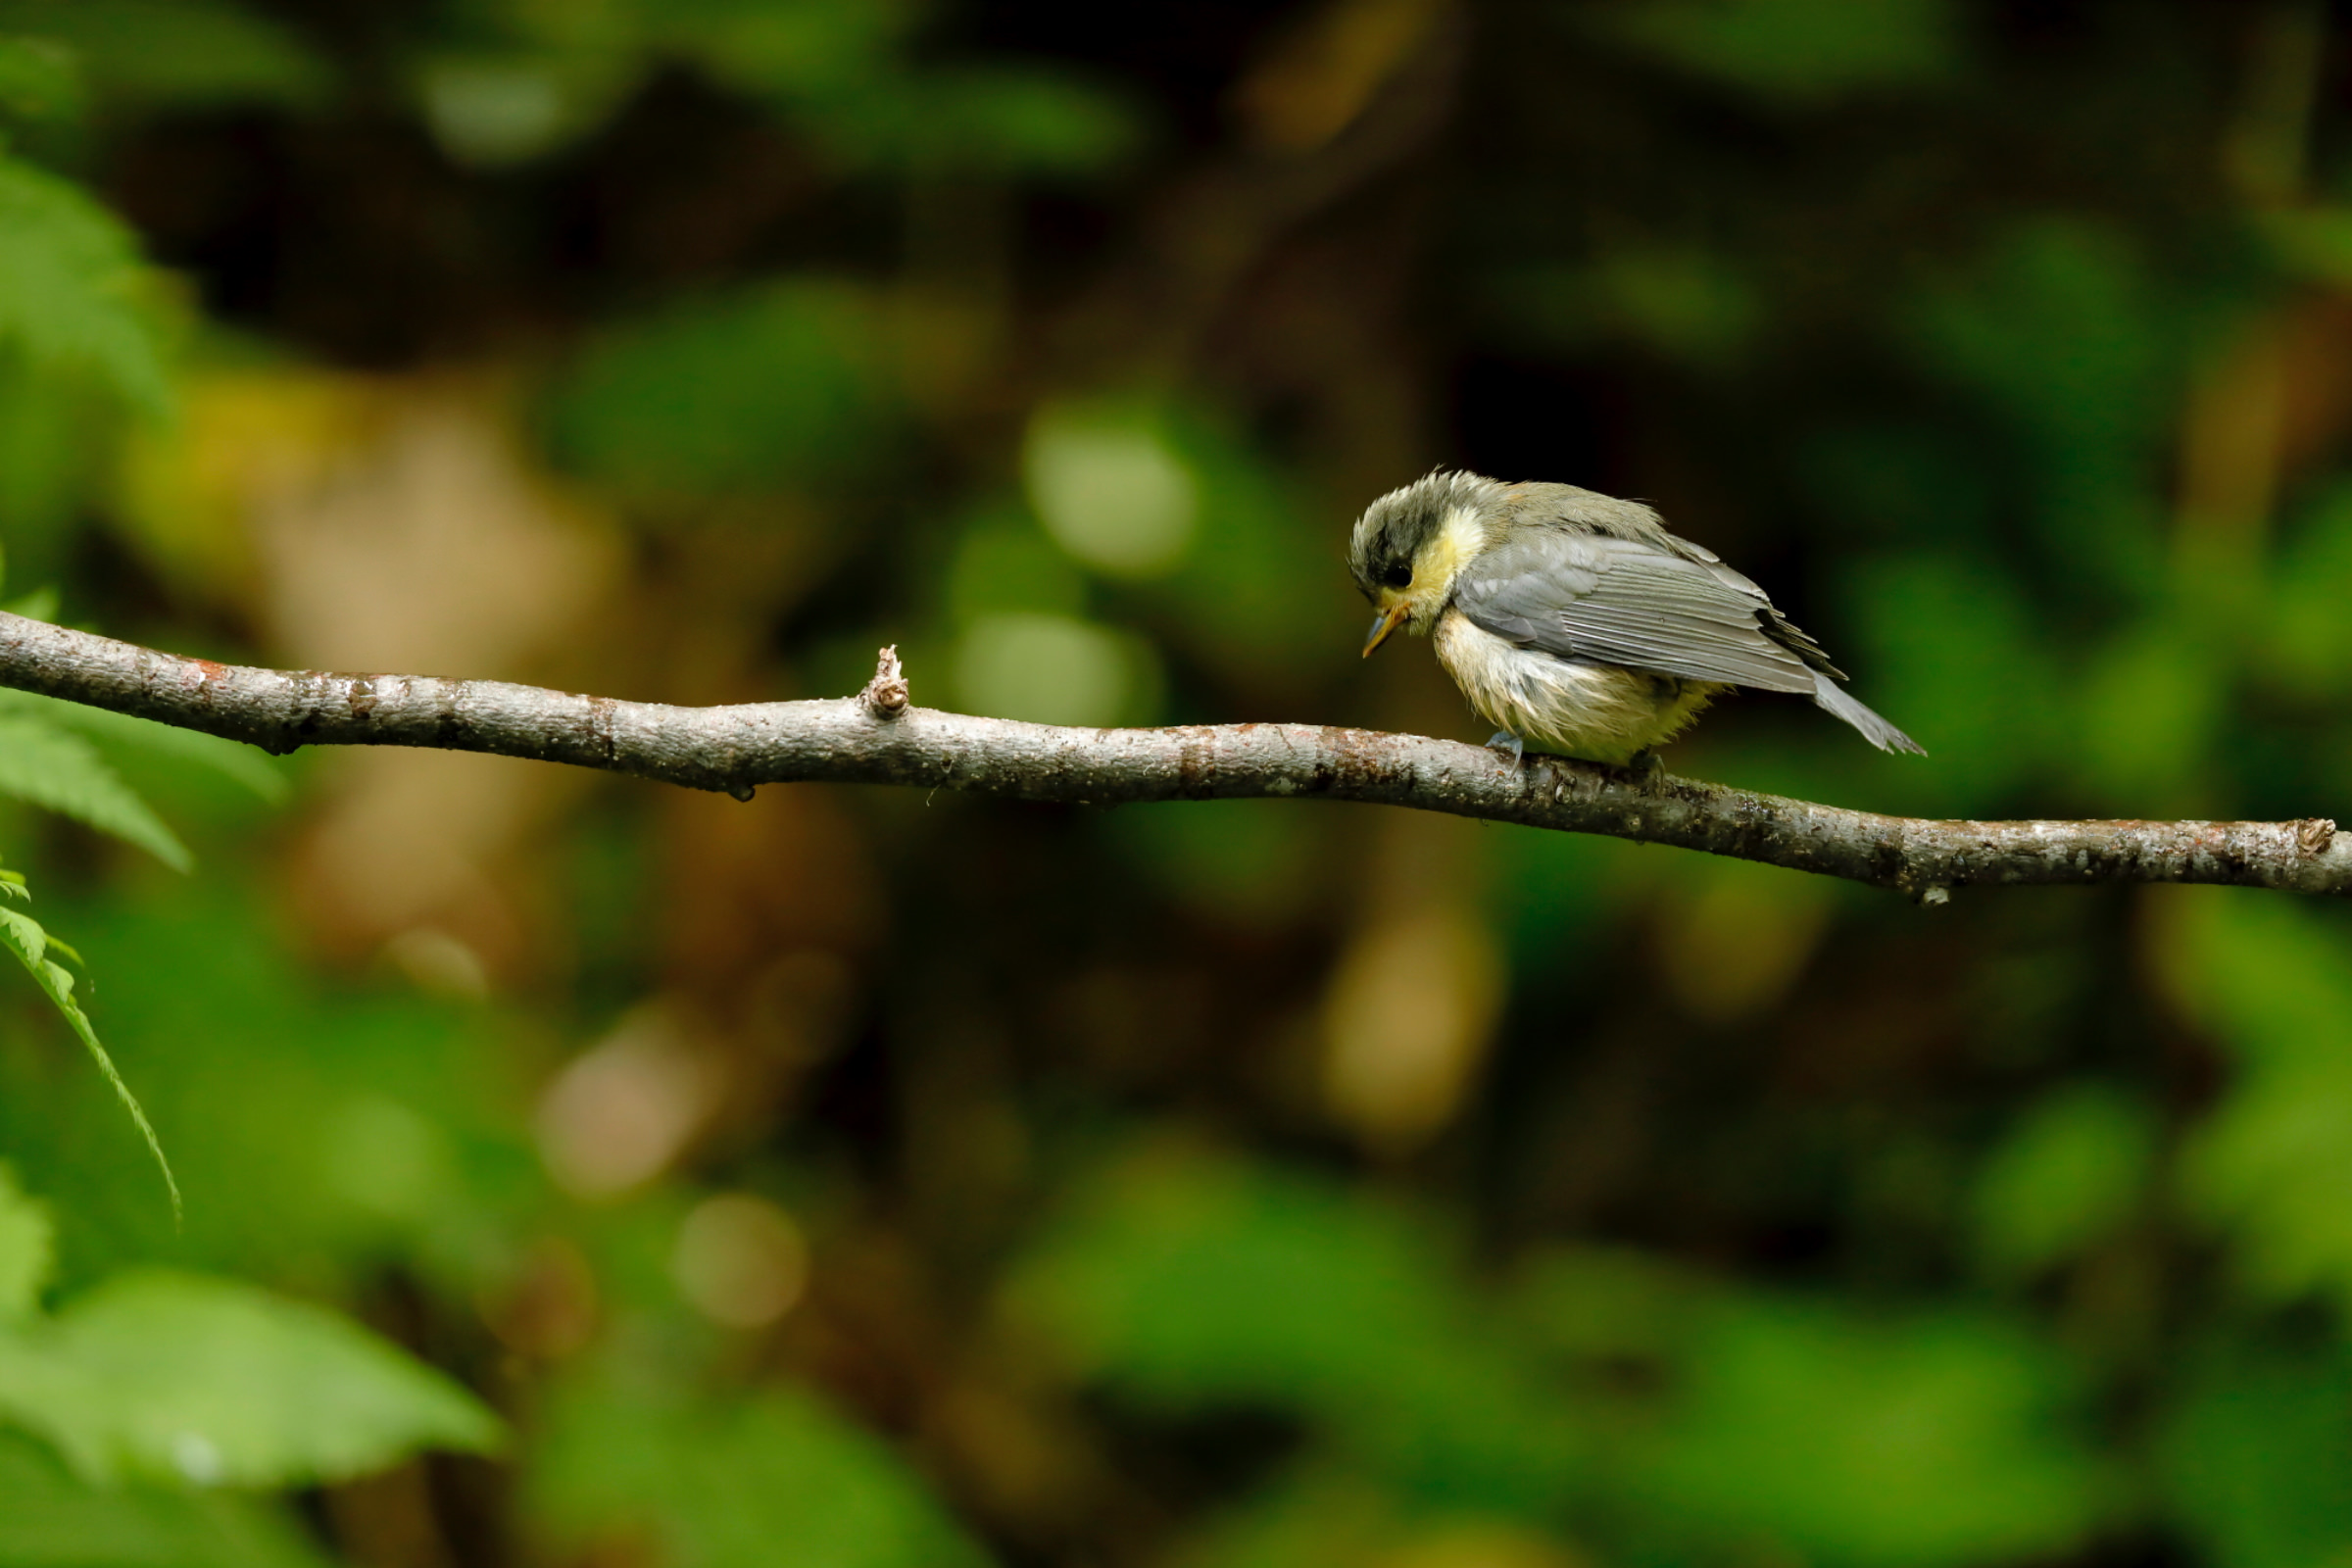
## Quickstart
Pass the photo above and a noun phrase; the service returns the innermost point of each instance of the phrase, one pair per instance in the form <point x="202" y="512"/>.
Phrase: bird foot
<point x="1646" y="766"/>
<point x="1503" y="740"/>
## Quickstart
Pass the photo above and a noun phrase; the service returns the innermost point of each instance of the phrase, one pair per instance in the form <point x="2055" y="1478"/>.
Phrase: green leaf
<point x="1685" y="300"/>
<point x="22" y="936"/>
<point x="73" y="296"/>
<point x="2256" y="1458"/>
<point x="27" y="1249"/>
<point x="1946" y="635"/>
<point x="725" y="1483"/>
<point x="1028" y="122"/>
<point x="54" y="769"/>
<point x="2070" y="1173"/>
<point x="399" y="1143"/>
<point x="2061" y="325"/>
<point x="791" y="52"/>
<point x="193" y="53"/>
<point x="1846" y="1440"/>
<point x="38" y="80"/>
<point x="58" y="436"/>
<point x="2269" y="1168"/>
<point x="2269" y="1164"/>
<point x="1799" y="52"/>
<point x="763" y="390"/>
<point x="2306" y="639"/>
<point x="233" y="760"/>
<point x="1319" y="1516"/>
<point x="2147" y="714"/>
<point x="54" y="1519"/>
<point x="997" y="120"/>
<point x="188" y="1377"/>
<point x="1189" y="1283"/>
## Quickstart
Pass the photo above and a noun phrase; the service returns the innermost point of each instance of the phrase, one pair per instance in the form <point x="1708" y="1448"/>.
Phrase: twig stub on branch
<point x="886" y="695"/>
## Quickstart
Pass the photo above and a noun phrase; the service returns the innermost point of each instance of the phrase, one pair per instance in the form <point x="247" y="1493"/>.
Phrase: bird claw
<point x="1505" y="740"/>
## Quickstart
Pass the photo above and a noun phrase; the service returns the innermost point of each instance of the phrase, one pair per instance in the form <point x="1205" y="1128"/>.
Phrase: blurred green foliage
<point x="53" y="1518"/>
<point x="174" y="1380"/>
<point x="665" y="407"/>
<point x="724" y="1481"/>
<point x="164" y="51"/>
<point x="883" y="1181"/>
<point x="1803" y="52"/>
<point x="183" y="1378"/>
<point x="1195" y="1287"/>
<point x="1926" y="1440"/>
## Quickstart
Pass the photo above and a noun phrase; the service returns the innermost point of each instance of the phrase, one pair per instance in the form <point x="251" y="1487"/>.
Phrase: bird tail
<point x="1828" y="694"/>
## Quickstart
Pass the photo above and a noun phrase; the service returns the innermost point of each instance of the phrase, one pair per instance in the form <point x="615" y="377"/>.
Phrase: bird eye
<point x="1399" y="575"/>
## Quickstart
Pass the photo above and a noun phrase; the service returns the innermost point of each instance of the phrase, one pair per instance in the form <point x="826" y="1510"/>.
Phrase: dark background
<point x="865" y="1178"/>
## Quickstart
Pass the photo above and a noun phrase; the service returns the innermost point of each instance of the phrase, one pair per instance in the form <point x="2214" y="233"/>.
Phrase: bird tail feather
<point x="1828" y="694"/>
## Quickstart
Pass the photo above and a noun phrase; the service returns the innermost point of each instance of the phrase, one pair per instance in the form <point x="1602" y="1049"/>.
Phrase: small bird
<point x="1575" y="620"/>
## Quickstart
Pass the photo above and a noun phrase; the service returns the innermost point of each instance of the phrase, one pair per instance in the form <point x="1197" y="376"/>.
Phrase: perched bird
<point x="1576" y="620"/>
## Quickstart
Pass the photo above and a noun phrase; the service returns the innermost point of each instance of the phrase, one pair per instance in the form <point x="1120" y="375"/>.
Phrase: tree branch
<point x="877" y="738"/>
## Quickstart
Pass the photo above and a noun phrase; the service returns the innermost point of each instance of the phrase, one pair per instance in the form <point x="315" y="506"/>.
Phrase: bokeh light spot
<point x="1110" y="490"/>
<point x="740" y="1261"/>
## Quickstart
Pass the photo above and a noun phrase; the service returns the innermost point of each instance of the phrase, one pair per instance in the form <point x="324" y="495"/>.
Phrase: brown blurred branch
<point x="876" y="738"/>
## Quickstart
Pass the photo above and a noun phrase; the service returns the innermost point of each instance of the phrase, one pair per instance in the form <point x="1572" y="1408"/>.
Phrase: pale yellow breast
<point x="1597" y="712"/>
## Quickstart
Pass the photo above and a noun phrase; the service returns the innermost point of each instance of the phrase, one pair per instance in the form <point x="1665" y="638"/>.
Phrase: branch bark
<point x="877" y="738"/>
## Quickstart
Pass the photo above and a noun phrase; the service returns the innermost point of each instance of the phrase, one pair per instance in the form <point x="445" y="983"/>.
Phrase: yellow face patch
<point x="1457" y="543"/>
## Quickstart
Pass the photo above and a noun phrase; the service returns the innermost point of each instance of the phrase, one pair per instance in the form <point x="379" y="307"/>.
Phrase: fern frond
<point x="53" y="767"/>
<point x="24" y="936"/>
<point x="233" y="760"/>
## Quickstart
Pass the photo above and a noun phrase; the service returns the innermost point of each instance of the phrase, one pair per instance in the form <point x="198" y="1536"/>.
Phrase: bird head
<point x="1410" y="545"/>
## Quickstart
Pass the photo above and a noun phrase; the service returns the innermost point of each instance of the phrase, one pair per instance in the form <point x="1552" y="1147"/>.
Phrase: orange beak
<point x="1386" y="622"/>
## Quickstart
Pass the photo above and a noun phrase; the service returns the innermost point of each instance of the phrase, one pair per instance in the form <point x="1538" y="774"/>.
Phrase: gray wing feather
<point x="1875" y="729"/>
<point x="1621" y="602"/>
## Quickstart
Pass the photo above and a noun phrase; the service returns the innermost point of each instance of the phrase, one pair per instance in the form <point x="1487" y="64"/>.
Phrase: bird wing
<point x="1608" y="601"/>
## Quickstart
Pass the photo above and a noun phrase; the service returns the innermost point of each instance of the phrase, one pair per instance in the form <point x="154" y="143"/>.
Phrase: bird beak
<point x="1386" y="622"/>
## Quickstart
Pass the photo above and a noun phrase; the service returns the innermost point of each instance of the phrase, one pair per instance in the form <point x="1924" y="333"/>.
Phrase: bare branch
<point x="877" y="738"/>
